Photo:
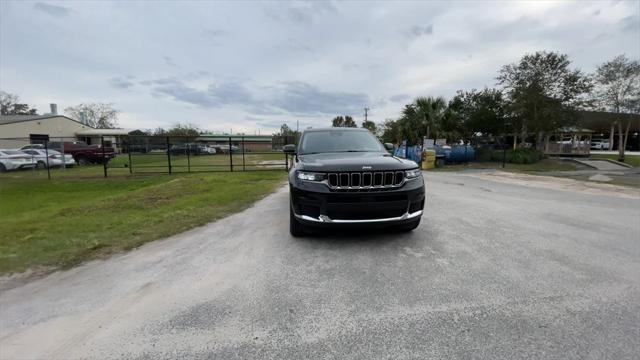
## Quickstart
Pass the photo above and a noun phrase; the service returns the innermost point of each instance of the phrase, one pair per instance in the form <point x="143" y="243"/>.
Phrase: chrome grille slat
<point x="365" y="181"/>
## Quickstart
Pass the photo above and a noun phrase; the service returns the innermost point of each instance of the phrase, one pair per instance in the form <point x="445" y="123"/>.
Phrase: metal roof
<point x="11" y="119"/>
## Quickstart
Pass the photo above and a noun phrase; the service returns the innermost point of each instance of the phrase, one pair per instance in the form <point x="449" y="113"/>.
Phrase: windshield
<point x="339" y="141"/>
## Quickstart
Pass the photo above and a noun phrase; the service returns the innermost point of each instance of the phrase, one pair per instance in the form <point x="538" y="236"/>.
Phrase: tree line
<point x="534" y="97"/>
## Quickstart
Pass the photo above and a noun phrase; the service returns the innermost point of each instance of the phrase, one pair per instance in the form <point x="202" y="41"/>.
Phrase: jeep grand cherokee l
<point x="345" y="176"/>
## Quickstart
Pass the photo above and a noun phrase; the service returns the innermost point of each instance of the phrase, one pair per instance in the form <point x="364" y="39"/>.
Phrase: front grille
<point x="366" y="180"/>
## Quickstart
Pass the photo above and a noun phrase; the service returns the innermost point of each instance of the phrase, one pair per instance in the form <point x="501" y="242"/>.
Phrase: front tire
<point x="295" y="227"/>
<point x="82" y="161"/>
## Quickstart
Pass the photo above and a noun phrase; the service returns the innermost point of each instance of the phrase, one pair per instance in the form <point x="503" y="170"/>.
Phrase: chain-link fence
<point x="128" y="155"/>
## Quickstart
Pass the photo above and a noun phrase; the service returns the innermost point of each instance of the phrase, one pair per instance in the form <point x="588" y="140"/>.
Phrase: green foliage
<point x="520" y="156"/>
<point x="517" y="156"/>
<point x="618" y="85"/>
<point x="346" y="121"/>
<point x="425" y="116"/>
<point x="543" y="92"/>
<point x="390" y="131"/>
<point x="179" y="130"/>
<point x="478" y="112"/>
<point x="370" y="125"/>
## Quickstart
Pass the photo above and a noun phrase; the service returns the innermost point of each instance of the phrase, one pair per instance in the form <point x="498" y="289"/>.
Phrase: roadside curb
<point x="618" y="163"/>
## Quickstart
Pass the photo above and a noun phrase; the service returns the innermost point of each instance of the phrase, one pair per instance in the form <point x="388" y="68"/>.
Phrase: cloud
<point x="169" y="61"/>
<point x="301" y="98"/>
<point x="630" y="23"/>
<point x="52" y="10"/>
<point x="417" y="31"/>
<point x="400" y="97"/>
<point x="294" y="97"/>
<point x="213" y="36"/>
<point x="301" y="13"/>
<point x="122" y="82"/>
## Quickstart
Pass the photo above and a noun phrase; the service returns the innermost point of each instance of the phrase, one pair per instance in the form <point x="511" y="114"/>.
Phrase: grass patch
<point x="65" y="221"/>
<point x="633" y="160"/>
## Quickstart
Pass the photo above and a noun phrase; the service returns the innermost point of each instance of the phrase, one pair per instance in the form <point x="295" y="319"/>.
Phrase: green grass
<point x="70" y="219"/>
<point x="543" y="165"/>
<point x="633" y="160"/>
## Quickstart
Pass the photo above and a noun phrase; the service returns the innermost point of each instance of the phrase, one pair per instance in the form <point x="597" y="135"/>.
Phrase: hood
<point x="354" y="161"/>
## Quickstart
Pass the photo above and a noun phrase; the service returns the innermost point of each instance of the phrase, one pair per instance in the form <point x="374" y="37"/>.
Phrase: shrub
<point x="524" y="156"/>
<point x="517" y="156"/>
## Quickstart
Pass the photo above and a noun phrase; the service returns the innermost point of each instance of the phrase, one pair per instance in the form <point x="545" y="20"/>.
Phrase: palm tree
<point x="433" y="113"/>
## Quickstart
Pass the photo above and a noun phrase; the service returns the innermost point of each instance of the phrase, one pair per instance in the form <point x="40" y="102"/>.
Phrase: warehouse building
<point x="19" y="130"/>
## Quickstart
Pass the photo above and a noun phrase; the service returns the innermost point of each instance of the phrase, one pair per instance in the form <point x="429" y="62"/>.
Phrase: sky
<point x="252" y="66"/>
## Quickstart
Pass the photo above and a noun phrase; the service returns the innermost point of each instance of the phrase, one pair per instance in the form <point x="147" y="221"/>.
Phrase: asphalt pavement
<point x="502" y="267"/>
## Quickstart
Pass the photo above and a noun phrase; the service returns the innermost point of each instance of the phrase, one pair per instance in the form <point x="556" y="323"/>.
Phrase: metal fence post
<point x="46" y="154"/>
<point x="230" y="156"/>
<point x="168" y="155"/>
<point x="188" y="154"/>
<point x="129" y="153"/>
<point x="243" y="168"/>
<point x="104" y="156"/>
<point x="286" y="162"/>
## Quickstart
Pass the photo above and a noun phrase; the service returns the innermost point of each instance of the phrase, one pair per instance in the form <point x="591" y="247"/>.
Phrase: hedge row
<point x="517" y="156"/>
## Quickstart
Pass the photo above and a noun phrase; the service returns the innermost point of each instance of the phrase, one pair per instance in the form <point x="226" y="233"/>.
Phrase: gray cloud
<point x="169" y="61"/>
<point x="400" y="97"/>
<point x="300" y="12"/>
<point x="53" y="10"/>
<point x="630" y="23"/>
<point x="301" y="98"/>
<point x="295" y="97"/>
<point x="122" y="82"/>
<point x="214" y="36"/>
<point x="418" y="31"/>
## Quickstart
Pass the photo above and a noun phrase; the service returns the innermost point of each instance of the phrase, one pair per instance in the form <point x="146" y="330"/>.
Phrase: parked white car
<point x="32" y="146"/>
<point x="208" y="149"/>
<point x="600" y="145"/>
<point x="14" y="160"/>
<point x="55" y="157"/>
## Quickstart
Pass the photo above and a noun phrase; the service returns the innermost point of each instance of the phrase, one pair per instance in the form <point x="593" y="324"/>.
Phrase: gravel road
<point x="502" y="267"/>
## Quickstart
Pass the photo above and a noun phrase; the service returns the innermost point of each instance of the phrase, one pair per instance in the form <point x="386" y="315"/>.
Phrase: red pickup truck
<point x="85" y="154"/>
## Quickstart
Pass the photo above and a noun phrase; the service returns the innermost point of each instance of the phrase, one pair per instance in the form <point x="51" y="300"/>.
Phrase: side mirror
<point x="388" y="146"/>
<point x="289" y="149"/>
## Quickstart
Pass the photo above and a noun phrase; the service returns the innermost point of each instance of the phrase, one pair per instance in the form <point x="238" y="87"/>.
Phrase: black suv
<point x="345" y="176"/>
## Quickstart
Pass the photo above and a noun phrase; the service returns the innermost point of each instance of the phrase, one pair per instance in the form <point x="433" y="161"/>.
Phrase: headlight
<point x="309" y="176"/>
<point x="412" y="174"/>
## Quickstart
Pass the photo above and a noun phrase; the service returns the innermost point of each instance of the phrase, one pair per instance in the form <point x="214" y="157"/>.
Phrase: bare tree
<point x="98" y="115"/>
<point x="9" y="105"/>
<point x="618" y="90"/>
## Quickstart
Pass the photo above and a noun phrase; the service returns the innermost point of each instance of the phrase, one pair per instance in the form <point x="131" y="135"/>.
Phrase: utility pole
<point x="366" y="112"/>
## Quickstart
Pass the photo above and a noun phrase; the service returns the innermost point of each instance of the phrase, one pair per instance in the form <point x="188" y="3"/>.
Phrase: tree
<point x="97" y="115"/>
<point x="9" y="105"/>
<point x="369" y="125"/>
<point x="390" y="131"/>
<point x="289" y="135"/>
<point x="183" y="130"/>
<point x="478" y="112"/>
<point x="543" y="92"/>
<point x="425" y="116"/>
<point x="618" y="90"/>
<point x="346" y="121"/>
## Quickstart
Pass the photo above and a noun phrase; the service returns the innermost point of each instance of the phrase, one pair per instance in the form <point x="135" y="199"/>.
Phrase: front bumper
<point x="315" y="204"/>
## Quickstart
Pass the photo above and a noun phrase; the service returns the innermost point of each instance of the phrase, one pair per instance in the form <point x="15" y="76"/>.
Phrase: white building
<point x="20" y="130"/>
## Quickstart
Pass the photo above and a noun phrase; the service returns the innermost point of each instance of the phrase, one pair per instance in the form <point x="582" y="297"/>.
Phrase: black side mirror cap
<point x="388" y="146"/>
<point x="289" y="149"/>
